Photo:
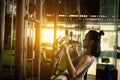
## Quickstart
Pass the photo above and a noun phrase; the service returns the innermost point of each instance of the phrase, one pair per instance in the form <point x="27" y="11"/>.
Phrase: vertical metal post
<point x="19" y="40"/>
<point x="38" y="45"/>
<point x="116" y="23"/>
<point x="55" y="35"/>
<point x="36" y="40"/>
<point x="55" y="24"/>
<point x="11" y="39"/>
<point x="40" y="49"/>
<point x="25" y="48"/>
<point x="2" y="30"/>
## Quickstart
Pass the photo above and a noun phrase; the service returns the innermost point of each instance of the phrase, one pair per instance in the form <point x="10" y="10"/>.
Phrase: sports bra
<point x="75" y="62"/>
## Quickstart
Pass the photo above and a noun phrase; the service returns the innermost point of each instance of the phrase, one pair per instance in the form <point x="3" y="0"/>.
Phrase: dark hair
<point x="96" y="36"/>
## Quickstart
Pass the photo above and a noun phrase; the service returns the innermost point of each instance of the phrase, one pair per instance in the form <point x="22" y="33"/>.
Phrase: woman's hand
<point x="75" y="46"/>
<point x="66" y="48"/>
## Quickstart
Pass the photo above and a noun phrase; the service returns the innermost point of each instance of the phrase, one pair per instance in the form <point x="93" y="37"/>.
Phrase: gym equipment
<point x="106" y="72"/>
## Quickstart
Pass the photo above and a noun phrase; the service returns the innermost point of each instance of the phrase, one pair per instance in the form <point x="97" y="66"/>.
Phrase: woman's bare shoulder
<point x="86" y="58"/>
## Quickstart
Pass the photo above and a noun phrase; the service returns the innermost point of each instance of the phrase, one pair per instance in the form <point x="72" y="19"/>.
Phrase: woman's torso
<point x="82" y="74"/>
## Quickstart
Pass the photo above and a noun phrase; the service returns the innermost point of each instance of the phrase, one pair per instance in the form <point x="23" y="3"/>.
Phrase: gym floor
<point x="90" y="77"/>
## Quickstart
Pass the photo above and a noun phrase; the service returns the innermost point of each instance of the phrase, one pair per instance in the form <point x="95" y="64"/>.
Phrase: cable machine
<point x="29" y="39"/>
<point x="32" y="57"/>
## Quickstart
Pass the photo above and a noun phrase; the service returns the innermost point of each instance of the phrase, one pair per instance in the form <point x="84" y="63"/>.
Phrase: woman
<point x="81" y="64"/>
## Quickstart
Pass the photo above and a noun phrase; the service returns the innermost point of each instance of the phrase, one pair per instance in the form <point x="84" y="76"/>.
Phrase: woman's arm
<point x="70" y="66"/>
<point x="75" y="47"/>
<point x="74" y="71"/>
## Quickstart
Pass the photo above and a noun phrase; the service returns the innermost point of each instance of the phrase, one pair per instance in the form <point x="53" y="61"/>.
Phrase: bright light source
<point x="47" y="35"/>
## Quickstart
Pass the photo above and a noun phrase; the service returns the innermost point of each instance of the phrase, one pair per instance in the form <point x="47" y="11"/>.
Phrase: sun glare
<point x="47" y="35"/>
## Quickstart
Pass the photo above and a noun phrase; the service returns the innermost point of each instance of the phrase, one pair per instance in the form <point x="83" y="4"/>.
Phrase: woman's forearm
<point x="77" y="53"/>
<point x="70" y="65"/>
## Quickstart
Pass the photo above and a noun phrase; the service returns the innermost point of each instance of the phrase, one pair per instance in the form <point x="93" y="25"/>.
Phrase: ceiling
<point x="83" y="7"/>
<point x="73" y="7"/>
